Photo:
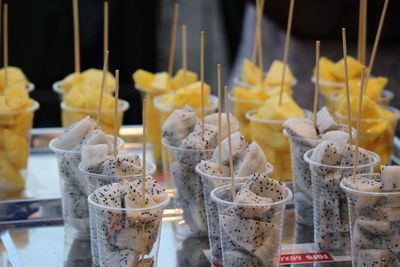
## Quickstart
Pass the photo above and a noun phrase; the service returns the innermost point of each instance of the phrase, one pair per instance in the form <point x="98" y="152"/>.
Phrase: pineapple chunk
<point x="370" y="109"/>
<point x="276" y="91"/>
<point x="326" y="69"/>
<point x="15" y="78"/>
<point x="94" y="78"/>
<point x="16" y="98"/>
<point x="3" y="104"/>
<point x="75" y="97"/>
<point x="250" y="73"/>
<point x="354" y="68"/>
<point x="180" y="81"/>
<point x="143" y="78"/>
<point x="92" y="101"/>
<point x="274" y="74"/>
<point x="11" y="179"/>
<point x="271" y="109"/>
<point x="71" y="80"/>
<point x="16" y="148"/>
<point x="191" y="95"/>
<point x="161" y="82"/>
<point x="253" y="93"/>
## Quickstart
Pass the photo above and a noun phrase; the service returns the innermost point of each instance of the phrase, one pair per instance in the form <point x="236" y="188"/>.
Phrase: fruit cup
<point x="249" y="242"/>
<point x="269" y="135"/>
<point x="15" y="137"/>
<point x="325" y="89"/>
<point x="70" y="115"/>
<point x="210" y="182"/>
<point x="376" y="133"/>
<point x="179" y="166"/>
<point x="374" y="221"/>
<point x="119" y="232"/>
<point x="330" y="209"/>
<point x="164" y="111"/>
<point x="94" y="181"/>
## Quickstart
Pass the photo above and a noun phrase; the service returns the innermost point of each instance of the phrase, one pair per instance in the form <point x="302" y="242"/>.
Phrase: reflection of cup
<point x="249" y="242"/>
<point x="79" y="252"/>
<point x="120" y="244"/>
<point x="191" y="252"/>
<point x="330" y="210"/>
<point x="70" y="115"/>
<point x="179" y="166"/>
<point x="333" y="99"/>
<point x="210" y="182"/>
<point x="377" y="134"/>
<point x="73" y="191"/>
<point x="374" y="226"/>
<point x="15" y="137"/>
<point x="94" y="181"/>
<point x="269" y="135"/>
<point x="240" y="108"/>
<point x="165" y="111"/>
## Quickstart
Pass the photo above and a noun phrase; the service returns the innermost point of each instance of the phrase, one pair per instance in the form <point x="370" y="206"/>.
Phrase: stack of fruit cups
<point x="374" y="201"/>
<point x="331" y="220"/>
<point x="94" y="181"/>
<point x="15" y="139"/>
<point x="210" y="182"/>
<point x="251" y="230"/>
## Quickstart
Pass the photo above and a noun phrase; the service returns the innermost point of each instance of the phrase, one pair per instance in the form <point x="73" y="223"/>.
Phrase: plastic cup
<point x="376" y="134"/>
<point x="70" y="115"/>
<point x="94" y="181"/>
<point x="121" y="245"/>
<point x="210" y="182"/>
<point x="238" y="82"/>
<point x="15" y="139"/>
<point x="331" y="219"/>
<point x="326" y="88"/>
<point x="249" y="242"/>
<point x="379" y="244"/>
<point x="165" y="111"/>
<point x="333" y="99"/>
<point x="179" y="167"/>
<point x="269" y="135"/>
<point x="73" y="191"/>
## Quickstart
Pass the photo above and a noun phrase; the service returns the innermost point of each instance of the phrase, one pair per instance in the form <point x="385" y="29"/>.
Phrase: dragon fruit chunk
<point x="390" y="178"/>
<point x="325" y="121"/>
<point x="213" y="120"/>
<point x="239" y="145"/>
<point x="178" y="126"/>
<point x="252" y="161"/>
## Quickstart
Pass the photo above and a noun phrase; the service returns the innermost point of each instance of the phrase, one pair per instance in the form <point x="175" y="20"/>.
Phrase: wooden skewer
<point x="359" y="121"/>
<point x="116" y="106"/>
<point x="376" y="42"/>
<point x="5" y="44"/>
<point x="255" y="43"/>
<point x="316" y="88"/>
<point x="106" y="30"/>
<point x="103" y="83"/>
<point x="364" y="33"/>
<point x="286" y="52"/>
<point x="173" y="40"/>
<point x="230" y="144"/>
<point x="359" y="30"/>
<point x="77" y="52"/>
<point x="202" y="81"/>
<point x="184" y="52"/>
<point x="260" y="49"/>
<point x="219" y="78"/>
<point x="346" y="75"/>
<point x="143" y="189"/>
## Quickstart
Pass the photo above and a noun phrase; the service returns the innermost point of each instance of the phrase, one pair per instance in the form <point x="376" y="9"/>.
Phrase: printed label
<point x="305" y="257"/>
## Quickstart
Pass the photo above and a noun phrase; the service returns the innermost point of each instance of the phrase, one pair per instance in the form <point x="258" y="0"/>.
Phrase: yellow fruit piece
<point x="16" y="148"/>
<point x="16" y="98"/>
<point x="274" y="74"/>
<point x="71" y="80"/>
<point x="370" y="109"/>
<point x="354" y="68"/>
<point x="11" y="179"/>
<point x="375" y="87"/>
<point x="250" y="74"/>
<point x="75" y="97"/>
<point x="15" y="78"/>
<point x="326" y="70"/>
<point x="94" y="78"/>
<point x="277" y="90"/>
<point x="143" y="78"/>
<point x="271" y="109"/>
<point x="180" y="80"/>
<point x="92" y="101"/>
<point x="191" y="95"/>
<point x="252" y="93"/>
<point x="161" y="82"/>
<point x="3" y="104"/>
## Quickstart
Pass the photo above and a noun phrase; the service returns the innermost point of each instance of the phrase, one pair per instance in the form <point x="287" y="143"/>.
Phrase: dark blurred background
<point x="41" y="40"/>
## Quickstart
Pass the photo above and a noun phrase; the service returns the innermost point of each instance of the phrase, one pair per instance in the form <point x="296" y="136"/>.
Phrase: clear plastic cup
<point x="179" y="168"/>
<point x="238" y="82"/>
<point x="333" y="99"/>
<point x="165" y="111"/>
<point x="374" y="224"/>
<point x="331" y="219"/>
<point x="269" y="135"/>
<point x="249" y="242"/>
<point x="210" y="182"/>
<point x="122" y="246"/>
<point x="377" y="134"/>
<point x="15" y="139"/>
<point x="73" y="191"/>
<point x="94" y="181"/>
<point x="326" y="88"/>
<point x="70" y="115"/>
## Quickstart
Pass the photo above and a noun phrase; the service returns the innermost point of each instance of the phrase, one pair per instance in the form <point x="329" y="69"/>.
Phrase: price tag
<point x="305" y="257"/>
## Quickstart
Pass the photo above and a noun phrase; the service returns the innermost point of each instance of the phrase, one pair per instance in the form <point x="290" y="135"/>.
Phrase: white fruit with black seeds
<point x="375" y="227"/>
<point x="123" y="258"/>
<point x="239" y="145"/>
<point x="325" y="121"/>
<point x="245" y="196"/>
<point x="301" y="127"/>
<point x="325" y="153"/>
<point x="340" y="138"/>
<point x="213" y="120"/>
<point x="213" y="169"/>
<point x="237" y="258"/>
<point x="266" y="187"/>
<point x="377" y="258"/>
<point x="390" y="178"/>
<point x="251" y="161"/>
<point x="93" y="155"/>
<point x="178" y="125"/>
